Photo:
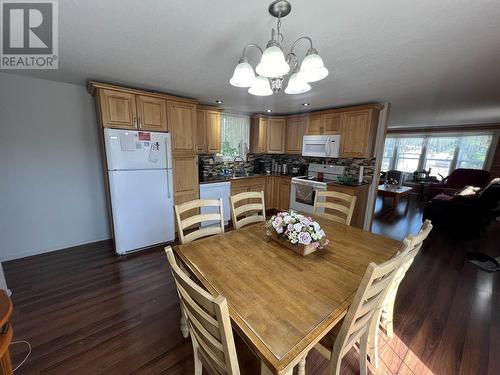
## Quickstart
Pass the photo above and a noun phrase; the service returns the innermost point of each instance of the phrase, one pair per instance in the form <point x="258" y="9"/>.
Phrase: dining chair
<point x="409" y="249"/>
<point x="355" y="326"/>
<point x="343" y="203"/>
<point x="197" y="219"/>
<point x="209" y="324"/>
<point x="252" y="207"/>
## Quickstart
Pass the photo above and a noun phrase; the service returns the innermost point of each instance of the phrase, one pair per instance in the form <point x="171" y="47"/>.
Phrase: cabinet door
<point x="185" y="175"/>
<point x="257" y="184"/>
<point x="152" y="113"/>
<point x="118" y="109"/>
<point x="314" y="125"/>
<point x="283" y="192"/>
<point x="201" y="133"/>
<point x="295" y="128"/>
<point x="182" y="125"/>
<point x="330" y="123"/>
<point x="355" y="134"/>
<point x="213" y="131"/>
<point x="276" y="128"/>
<point x="269" y="193"/>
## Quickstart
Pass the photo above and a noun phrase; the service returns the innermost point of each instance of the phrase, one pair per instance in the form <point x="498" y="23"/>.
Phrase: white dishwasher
<point x="216" y="190"/>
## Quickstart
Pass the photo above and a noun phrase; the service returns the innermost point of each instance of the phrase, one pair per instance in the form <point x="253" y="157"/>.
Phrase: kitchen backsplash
<point x="212" y="167"/>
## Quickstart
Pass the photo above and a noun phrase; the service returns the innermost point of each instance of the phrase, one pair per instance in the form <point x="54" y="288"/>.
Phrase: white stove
<point x="304" y="188"/>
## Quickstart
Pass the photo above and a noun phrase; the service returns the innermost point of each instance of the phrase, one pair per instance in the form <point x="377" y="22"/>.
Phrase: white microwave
<point x="323" y="146"/>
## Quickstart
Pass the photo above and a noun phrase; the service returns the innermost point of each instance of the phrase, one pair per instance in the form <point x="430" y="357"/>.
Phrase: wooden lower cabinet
<point x="282" y="193"/>
<point x="361" y="194"/>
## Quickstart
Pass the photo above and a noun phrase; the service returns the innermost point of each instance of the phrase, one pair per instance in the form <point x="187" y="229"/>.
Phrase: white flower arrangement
<point x="297" y="229"/>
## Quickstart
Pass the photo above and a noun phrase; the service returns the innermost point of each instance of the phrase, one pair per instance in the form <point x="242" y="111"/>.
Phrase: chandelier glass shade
<point x="275" y="69"/>
<point x="260" y="87"/>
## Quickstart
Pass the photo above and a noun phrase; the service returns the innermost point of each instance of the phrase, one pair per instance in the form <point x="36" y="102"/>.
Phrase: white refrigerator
<point x="141" y="188"/>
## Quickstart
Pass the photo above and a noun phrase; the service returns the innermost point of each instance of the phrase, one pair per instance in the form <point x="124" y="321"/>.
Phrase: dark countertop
<point x="354" y="185"/>
<point x="214" y="179"/>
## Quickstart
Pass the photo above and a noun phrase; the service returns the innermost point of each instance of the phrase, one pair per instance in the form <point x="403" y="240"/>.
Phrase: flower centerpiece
<point x="297" y="232"/>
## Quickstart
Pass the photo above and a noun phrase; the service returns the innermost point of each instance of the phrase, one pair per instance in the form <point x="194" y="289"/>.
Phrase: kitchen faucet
<point x="242" y="166"/>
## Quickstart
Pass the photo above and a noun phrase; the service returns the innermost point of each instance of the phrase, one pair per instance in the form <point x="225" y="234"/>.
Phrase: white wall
<point x="51" y="185"/>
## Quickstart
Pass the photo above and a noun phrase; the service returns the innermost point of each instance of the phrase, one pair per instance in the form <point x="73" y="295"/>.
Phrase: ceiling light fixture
<point x="306" y="104"/>
<point x="274" y="67"/>
<point x="218" y="101"/>
<point x="269" y="110"/>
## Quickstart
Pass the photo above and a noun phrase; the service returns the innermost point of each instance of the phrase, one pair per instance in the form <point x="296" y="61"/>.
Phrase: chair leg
<point x="363" y="352"/>
<point x="335" y="363"/>
<point x="373" y="338"/>
<point x="389" y="316"/>
<point x="198" y="367"/>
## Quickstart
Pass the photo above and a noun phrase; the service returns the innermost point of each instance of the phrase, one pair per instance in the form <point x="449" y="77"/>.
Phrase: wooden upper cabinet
<point x="314" y="125"/>
<point x="295" y="128"/>
<point x="118" y="109"/>
<point x="276" y="129"/>
<point x="358" y="133"/>
<point x="201" y="133"/>
<point x="330" y="123"/>
<point x="213" y="131"/>
<point x="258" y="132"/>
<point x="182" y="125"/>
<point x="152" y="113"/>
<point x="208" y="130"/>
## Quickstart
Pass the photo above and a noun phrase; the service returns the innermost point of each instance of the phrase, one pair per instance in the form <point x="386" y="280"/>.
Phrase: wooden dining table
<point x="282" y="303"/>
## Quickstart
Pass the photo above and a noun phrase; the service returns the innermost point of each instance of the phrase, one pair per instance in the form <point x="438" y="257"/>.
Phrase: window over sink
<point x="235" y="136"/>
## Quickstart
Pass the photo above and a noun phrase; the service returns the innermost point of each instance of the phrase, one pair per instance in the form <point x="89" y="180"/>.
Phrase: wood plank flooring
<point x="86" y="311"/>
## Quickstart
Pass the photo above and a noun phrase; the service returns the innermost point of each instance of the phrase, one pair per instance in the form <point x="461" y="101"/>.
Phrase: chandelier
<point x="274" y="69"/>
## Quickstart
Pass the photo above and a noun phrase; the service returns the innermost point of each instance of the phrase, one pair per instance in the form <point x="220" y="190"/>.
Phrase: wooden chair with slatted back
<point x="209" y="325"/>
<point x="250" y="211"/>
<point x="410" y="248"/>
<point x="355" y="326"/>
<point x="182" y="224"/>
<point x="342" y="206"/>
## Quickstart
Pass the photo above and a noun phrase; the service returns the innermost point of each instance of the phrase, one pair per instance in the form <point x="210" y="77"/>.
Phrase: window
<point x="389" y="148"/>
<point x="235" y="136"/>
<point x="473" y="151"/>
<point x="440" y="153"/>
<point x="408" y="156"/>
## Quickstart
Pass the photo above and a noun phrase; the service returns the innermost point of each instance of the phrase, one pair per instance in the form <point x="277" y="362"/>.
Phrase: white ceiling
<point x="437" y="62"/>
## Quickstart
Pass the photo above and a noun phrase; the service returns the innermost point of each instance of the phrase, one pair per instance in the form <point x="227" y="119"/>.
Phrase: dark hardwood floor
<point x="86" y="311"/>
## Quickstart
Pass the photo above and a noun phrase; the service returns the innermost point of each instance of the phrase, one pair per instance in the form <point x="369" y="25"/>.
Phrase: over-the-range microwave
<point x="323" y="146"/>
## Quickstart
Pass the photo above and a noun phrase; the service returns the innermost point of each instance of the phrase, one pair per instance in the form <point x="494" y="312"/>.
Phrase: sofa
<point x="458" y="179"/>
<point x="469" y="209"/>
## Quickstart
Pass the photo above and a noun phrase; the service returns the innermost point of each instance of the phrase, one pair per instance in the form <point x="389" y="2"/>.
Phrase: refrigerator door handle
<point x="168" y="184"/>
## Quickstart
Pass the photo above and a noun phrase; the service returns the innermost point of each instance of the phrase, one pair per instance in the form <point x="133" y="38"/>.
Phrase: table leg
<point x="5" y="364"/>
<point x="264" y="370"/>
<point x="302" y="367"/>
<point x="395" y="201"/>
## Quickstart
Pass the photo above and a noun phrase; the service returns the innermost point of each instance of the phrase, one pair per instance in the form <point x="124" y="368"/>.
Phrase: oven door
<point x="302" y="195"/>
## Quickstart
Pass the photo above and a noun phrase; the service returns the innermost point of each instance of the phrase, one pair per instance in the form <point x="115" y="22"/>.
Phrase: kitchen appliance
<point x="304" y="188"/>
<point x="284" y="169"/>
<point x="323" y="146"/>
<point x="141" y="189"/>
<point x="259" y="166"/>
<point x="216" y="190"/>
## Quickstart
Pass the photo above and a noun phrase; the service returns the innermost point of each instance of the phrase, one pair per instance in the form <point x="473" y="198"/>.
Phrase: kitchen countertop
<point x="214" y="179"/>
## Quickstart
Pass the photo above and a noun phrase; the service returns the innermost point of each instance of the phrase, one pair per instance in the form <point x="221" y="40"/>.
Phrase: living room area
<point x="449" y="175"/>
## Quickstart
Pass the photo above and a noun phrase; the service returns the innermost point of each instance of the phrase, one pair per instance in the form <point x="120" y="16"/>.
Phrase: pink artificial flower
<point x="277" y="222"/>
<point x="304" y="238"/>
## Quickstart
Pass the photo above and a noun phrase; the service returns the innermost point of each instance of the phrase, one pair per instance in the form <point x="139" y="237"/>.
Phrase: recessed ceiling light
<point x="306" y="104"/>
<point x="218" y="101"/>
<point x="269" y="110"/>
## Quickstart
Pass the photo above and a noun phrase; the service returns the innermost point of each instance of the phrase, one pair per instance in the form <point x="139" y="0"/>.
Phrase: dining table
<point x="282" y="303"/>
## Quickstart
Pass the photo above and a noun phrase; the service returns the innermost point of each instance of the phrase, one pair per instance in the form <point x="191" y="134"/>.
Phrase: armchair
<point x="465" y="210"/>
<point x="460" y="178"/>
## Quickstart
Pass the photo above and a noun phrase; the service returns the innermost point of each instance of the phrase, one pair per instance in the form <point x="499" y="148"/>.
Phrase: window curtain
<point x="235" y="135"/>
